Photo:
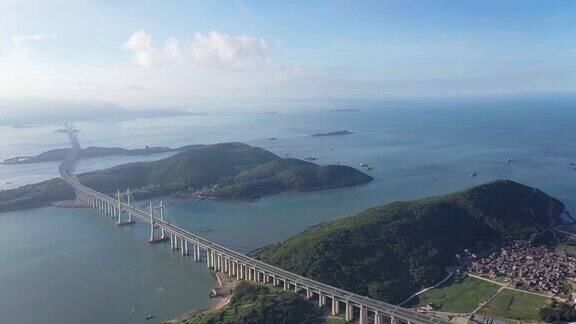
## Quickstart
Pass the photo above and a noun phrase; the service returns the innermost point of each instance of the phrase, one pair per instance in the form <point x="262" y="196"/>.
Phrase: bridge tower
<point x="153" y="226"/>
<point x="120" y="196"/>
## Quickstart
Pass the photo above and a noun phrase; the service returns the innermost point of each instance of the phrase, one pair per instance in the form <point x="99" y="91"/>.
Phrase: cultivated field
<point x="460" y="295"/>
<point x="515" y="305"/>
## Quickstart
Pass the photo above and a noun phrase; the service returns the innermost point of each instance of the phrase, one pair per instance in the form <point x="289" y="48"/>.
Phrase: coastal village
<point x="522" y="266"/>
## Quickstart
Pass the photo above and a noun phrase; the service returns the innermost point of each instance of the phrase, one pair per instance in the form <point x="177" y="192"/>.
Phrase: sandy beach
<point x="222" y="291"/>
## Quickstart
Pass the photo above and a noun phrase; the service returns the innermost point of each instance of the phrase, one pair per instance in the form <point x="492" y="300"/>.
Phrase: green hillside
<point x="88" y="152"/>
<point x="253" y="303"/>
<point x="391" y="251"/>
<point x="228" y="171"/>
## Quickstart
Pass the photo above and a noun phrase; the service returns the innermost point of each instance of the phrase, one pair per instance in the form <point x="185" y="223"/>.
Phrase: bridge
<point x="220" y="258"/>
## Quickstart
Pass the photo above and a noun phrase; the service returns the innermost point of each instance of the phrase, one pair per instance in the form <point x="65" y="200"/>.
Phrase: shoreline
<point x="222" y="288"/>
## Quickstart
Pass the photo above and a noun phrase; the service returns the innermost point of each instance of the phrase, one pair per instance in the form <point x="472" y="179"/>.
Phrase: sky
<point x="172" y="53"/>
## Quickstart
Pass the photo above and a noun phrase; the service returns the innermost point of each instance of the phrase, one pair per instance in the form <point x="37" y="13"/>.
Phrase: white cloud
<point x="140" y="44"/>
<point x="234" y="52"/>
<point x="23" y="43"/>
<point x="213" y="49"/>
<point x="172" y="49"/>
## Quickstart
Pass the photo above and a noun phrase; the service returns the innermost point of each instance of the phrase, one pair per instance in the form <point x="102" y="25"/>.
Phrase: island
<point x="221" y="171"/>
<point x="391" y="251"/>
<point x="344" y="110"/>
<point x="83" y="153"/>
<point x="334" y="133"/>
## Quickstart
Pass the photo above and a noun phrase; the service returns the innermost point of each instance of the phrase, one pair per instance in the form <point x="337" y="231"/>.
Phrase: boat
<point x="312" y="158"/>
<point x="473" y="174"/>
<point x="509" y="160"/>
<point x="149" y="317"/>
<point x="364" y="164"/>
<point x="369" y="168"/>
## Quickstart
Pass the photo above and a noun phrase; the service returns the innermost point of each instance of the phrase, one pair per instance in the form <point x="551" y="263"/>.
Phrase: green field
<point x="459" y="295"/>
<point x="570" y="249"/>
<point x="515" y="305"/>
<point x="334" y="320"/>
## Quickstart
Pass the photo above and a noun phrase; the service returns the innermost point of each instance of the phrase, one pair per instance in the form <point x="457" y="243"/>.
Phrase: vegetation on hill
<point x="391" y="251"/>
<point x="35" y="195"/>
<point x="254" y="303"/>
<point x="558" y="312"/>
<point x="88" y="152"/>
<point x="228" y="171"/>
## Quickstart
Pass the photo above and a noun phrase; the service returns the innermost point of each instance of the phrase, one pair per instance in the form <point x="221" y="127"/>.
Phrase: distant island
<point x="28" y="112"/>
<point x="391" y="251"/>
<point x="88" y="152"/>
<point x="334" y="133"/>
<point x="344" y="110"/>
<point x="223" y="171"/>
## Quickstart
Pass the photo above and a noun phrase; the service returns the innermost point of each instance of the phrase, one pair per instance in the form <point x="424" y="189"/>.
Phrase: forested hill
<point x="391" y="251"/>
<point x="256" y="303"/>
<point x="88" y="152"/>
<point x="227" y="171"/>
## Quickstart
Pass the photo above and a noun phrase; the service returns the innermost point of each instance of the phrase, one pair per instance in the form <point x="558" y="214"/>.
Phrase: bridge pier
<point x="378" y="319"/>
<point x="349" y="312"/>
<point x="363" y="315"/>
<point x="184" y="246"/>
<point x="321" y="299"/>
<point x="336" y="306"/>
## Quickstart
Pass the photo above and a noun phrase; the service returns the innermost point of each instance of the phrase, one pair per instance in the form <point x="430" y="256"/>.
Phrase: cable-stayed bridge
<point x="220" y="258"/>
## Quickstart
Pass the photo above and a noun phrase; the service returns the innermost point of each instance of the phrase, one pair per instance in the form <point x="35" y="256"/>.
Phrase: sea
<point x="74" y="266"/>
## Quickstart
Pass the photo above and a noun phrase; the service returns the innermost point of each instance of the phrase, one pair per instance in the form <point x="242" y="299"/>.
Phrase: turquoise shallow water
<point x="70" y="266"/>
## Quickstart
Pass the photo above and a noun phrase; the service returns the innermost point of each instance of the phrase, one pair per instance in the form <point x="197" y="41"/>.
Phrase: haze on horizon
<point x="156" y="54"/>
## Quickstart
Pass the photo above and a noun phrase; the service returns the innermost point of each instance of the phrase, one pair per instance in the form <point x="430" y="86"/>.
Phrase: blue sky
<point x="179" y="53"/>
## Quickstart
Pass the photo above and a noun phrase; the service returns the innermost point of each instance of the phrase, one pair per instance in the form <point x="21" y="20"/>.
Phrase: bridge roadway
<point x="237" y="264"/>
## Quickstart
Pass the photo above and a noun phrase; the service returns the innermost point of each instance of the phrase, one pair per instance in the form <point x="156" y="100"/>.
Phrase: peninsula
<point x="223" y="171"/>
<point x="88" y="152"/>
<point x="391" y="251"/>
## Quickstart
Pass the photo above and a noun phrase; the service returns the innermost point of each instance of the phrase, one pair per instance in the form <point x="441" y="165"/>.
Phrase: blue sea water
<point x="73" y="265"/>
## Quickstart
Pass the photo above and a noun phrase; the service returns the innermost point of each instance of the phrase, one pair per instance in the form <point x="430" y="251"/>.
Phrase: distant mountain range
<point x="24" y="112"/>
